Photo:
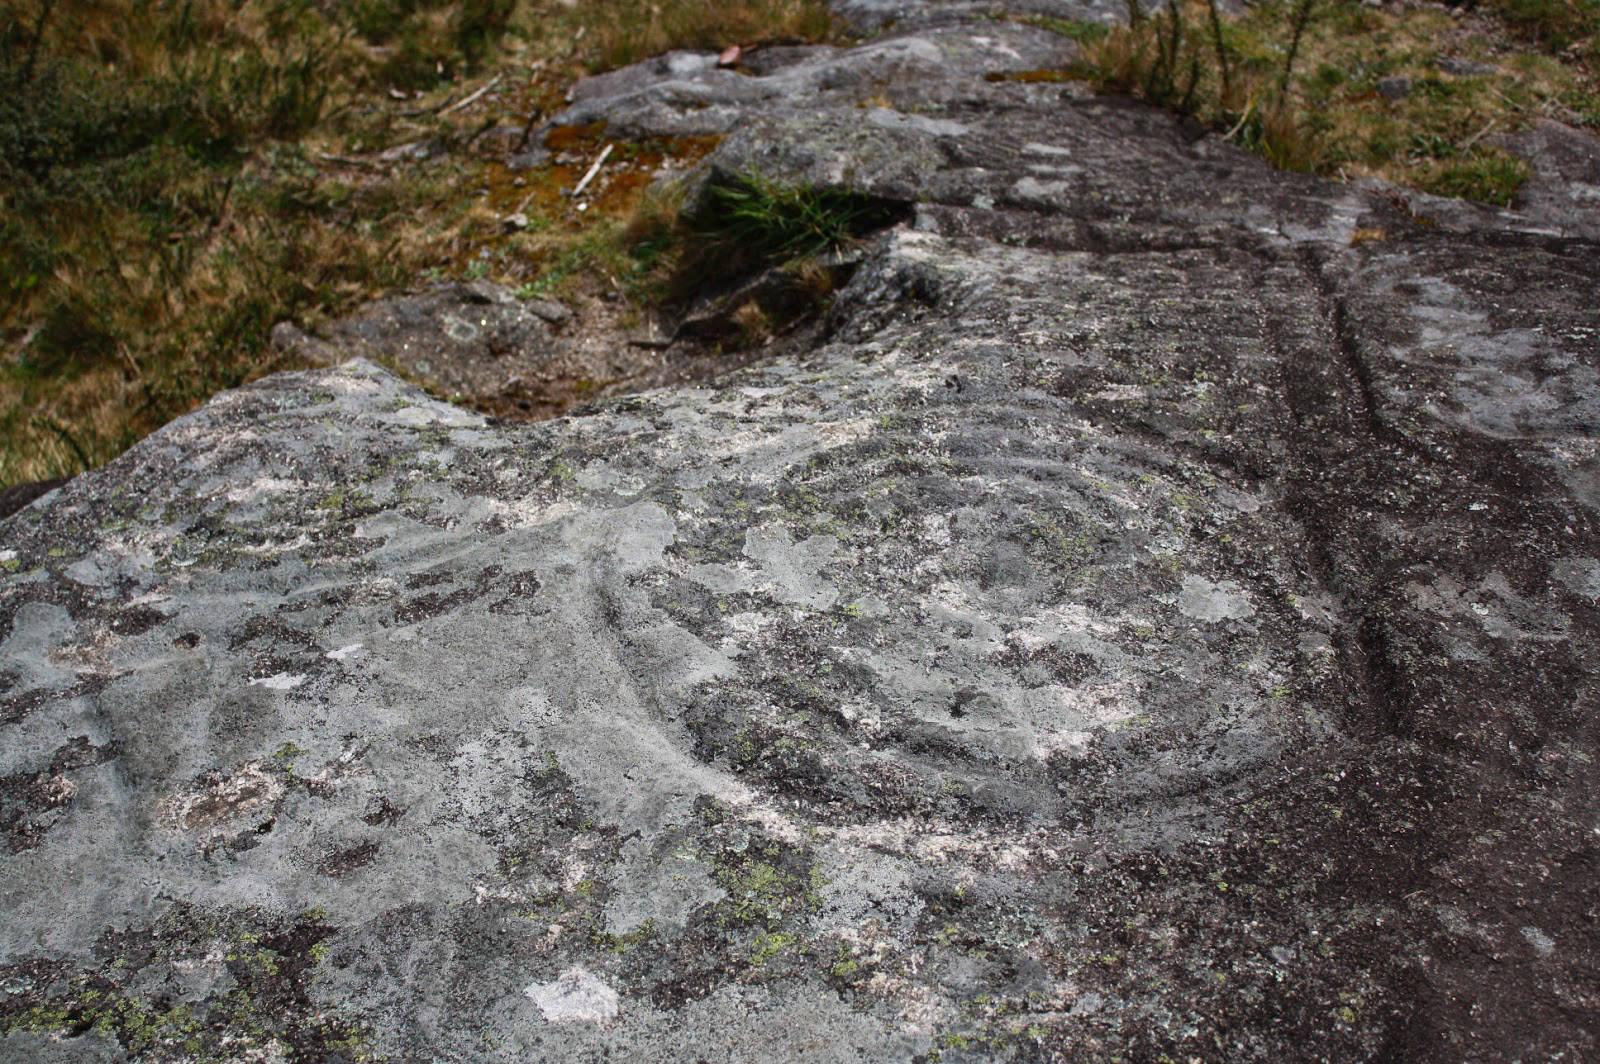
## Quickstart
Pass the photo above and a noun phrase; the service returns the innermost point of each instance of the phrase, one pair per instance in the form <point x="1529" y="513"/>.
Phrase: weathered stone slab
<point x="1144" y="624"/>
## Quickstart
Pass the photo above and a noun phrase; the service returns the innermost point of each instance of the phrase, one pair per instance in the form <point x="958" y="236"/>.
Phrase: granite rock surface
<point x="1154" y="619"/>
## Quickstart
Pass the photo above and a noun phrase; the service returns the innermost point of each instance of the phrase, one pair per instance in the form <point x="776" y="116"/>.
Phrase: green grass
<point x="163" y="201"/>
<point x="745" y="224"/>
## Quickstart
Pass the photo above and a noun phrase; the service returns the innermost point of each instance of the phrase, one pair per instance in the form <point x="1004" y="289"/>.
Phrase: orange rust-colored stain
<point x="620" y="185"/>
<point x="615" y="190"/>
<point x="539" y="192"/>
<point x="543" y="193"/>
<point x="1032" y="76"/>
<point x="570" y="138"/>
<point x="691" y="146"/>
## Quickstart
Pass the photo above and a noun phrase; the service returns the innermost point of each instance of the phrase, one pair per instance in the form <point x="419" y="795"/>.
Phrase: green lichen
<point x="562" y="473"/>
<point x="620" y="944"/>
<point x="266" y="958"/>
<point x="846" y="966"/>
<point x="757" y="892"/>
<point x="768" y="945"/>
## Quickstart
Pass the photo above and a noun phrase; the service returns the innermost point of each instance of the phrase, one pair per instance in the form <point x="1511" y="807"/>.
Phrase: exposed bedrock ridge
<point x="1145" y="623"/>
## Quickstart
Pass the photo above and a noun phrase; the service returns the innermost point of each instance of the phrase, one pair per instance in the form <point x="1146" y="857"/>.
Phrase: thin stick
<point x="527" y="131"/>
<point x="1302" y="16"/>
<point x="419" y="112"/>
<point x="61" y="430"/>
<point x="343" y="160"/>
<point x="1470" y="141"/>
<point x="33" y="46"/>
<point x="1194" y="81"/>
<point x="1222" y="53"/>
<point x="595" y="169"/>
<point x="453" y="108"/>
<point x="1249" y="105"/>
<point x="520" y="207"/>
<point x="1176" y="21"/>
<point x="1514" y="104"/>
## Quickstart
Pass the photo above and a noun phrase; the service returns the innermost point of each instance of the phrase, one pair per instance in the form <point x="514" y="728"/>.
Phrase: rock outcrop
<point x="1154" y="620"/>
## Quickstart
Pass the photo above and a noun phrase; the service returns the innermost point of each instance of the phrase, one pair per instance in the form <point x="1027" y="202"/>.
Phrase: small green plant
<point x="759" y="220"/>
<point x="1490" y="178"/>
<point x="740" y="228"/>
<point x="768" y="945"/>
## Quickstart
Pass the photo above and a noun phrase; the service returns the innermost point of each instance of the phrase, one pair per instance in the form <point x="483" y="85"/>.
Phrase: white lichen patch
<point x="1580" y="575"/>
<point x="997" y="46"/>
<point x="280" y="681"/>
<point x="1491" y="604"/>
<point x="534" y="510"/>
<point x="884" y="118"/>
<point x="261" y="487"/>
<point x="600" y="476"/>
<point x="1092" y="708"/>
<point x="921" y="1011"/>
<point x="1121" y="393"/>
<point x="57" y="790"/>
<point x="1032" y="190"/>
<point x="1055" y="170"/>
<point x="1206" y="601"/>
<point x="273" y="548"/>
<point x="575" y="996"/>
<point x="789" y="568"/>
<point x="1542" y="944"/>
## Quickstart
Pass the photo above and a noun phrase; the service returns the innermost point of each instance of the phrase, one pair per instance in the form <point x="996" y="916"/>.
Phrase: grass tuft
<point x="725" y="247"/>
<point x="1486" y="178"/>
<point x="754" y="220"/>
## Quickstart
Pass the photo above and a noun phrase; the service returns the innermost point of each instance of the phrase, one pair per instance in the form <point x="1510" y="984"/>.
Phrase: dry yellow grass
<point x="176" y="178"/>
